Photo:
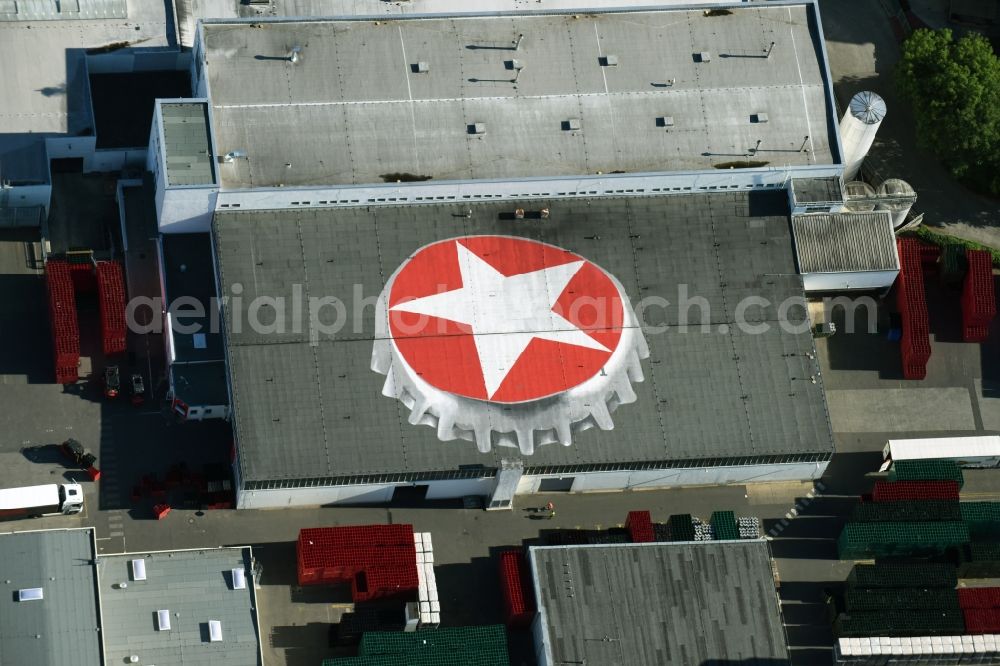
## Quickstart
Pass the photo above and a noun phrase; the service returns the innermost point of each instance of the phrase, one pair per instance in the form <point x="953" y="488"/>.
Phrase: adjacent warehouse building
<point x="69" y="605"/>
<point x="710" y="602"/>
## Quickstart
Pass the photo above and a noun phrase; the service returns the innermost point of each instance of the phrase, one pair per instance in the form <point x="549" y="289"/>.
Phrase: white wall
<point x="115" y="160"/>
<point x="869" y="280"/>
<point x="521" y="190"/>
<point x="71" y="146"/>
<point x="185" y="210"/>
<point x="20" y="196"/>
<point x="672" y="478"/>
<point x="285" y="497"/>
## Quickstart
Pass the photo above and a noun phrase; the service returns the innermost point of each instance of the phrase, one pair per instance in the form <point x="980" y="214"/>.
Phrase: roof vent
<point x="214" y="631"/>
<point x="703" y="56"/>
<point x="608" y="61"/>
<point x="138" y="569"/>
<point x="421" y="68"/>
<point x="239" y="579"/>
<point x="571" y="125"/>
<point x="477" y="128"/>
<point x="515" y="65"/>
<point x="758" y="118"/>
<point x="665" y="121"/>
<point x="163" y="620"/>
<point x="30" y="594"/>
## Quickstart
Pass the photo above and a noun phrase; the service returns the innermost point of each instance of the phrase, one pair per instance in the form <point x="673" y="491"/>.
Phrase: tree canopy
<point x="954" y="87"/>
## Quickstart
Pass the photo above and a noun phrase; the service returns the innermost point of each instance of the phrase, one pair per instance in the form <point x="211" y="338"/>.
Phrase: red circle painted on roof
<point x="503" y="319"/>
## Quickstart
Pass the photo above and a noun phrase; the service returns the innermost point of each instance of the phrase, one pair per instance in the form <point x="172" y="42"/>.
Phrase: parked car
<point x="112" y="382"/>
<point x="138" y="389"/>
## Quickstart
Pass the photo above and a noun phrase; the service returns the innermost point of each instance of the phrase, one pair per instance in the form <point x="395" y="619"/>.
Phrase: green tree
<point x="954" y="87"/>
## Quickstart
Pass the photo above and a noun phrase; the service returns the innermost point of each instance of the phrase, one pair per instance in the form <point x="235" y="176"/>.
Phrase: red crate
<point x="111" y="292"/>
<point x="903" y="491"/>
<point x="911" y="302"/>
<point x="640" y="526"/>
<point x="979" y="597"/>
<point x="161" y="511"/>
<point x="975" y="333"/>
<point x="62" y="317"/>
<point x="515" y="581"/>
<point x="378" y="560"/>
<point x="982" y="620"/>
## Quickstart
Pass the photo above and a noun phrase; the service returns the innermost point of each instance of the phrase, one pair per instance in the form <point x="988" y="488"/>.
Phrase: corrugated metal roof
<point x="196" y="587"/>
<point x="187" y="146"/>
<point x="845" y="242"/>
<point x="306" y="411"/>
<point x="664" y="603"/>
<point x="62" y="627"/>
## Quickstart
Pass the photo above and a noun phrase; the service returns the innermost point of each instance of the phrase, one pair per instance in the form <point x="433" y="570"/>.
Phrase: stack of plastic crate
<point x="640" y="526"/>
<point x="860" y="541"/>
<point x="926" y="470"/>
<point x="982" y="518"/>
<point x="62" y="315"/>
<point x="900" y="622"/>
<point x="518" y="600"/>
<point x="703" y="531"/>
<point x="917" y="598"/>
<point x="724" y="525"/>
<point x="978" y="298"/>
<point x="453" y="646"/>
<point x="427" y="591"/>
<point x="379" y="561"/>
<point x="906" y="512"/>
<point x="681" y="527"/>
<point x="111" y="293"/>
<point x="905" y="491"/>
<point x="912" y="304"/>
<point x="981" y="606"/>
<point x="903" y="574"/>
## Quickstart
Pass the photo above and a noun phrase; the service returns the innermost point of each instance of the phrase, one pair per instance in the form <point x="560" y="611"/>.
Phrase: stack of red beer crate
<point x="518" y="601"/>
<point x="62" y="314"/>
<point x="978" y="299"/>
<point x="911" y="301"/>
<point x="640" y="526"/>
<point x="981" y="608"/>
<point x="111" y="291"/>
<point x="379" y="561"/>
<point x="904" y="491"/>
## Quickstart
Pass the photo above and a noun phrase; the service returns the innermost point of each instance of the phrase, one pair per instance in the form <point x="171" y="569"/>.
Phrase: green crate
<point x="865" y="540"/>
<point x="681" y="527"/>
<point x="906" y="512"/>
<point x="451" y="646"/>
<point x="724" y="525"/>
<point x="926" y="470"/>
<point x="982" y="518"/>
<point x="889" y="622"/>
<point x="900" y="598"/>
<point x="903" y="574"/>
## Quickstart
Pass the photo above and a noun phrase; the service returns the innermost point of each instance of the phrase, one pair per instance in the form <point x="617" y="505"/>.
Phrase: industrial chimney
<point x="858" y="129"/>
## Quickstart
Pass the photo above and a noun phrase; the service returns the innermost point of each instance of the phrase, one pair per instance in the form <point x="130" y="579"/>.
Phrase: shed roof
<point x="659" y="603"/>
<point x="355" y="109"/>
<point x="196" y="586"/>
<point x="63" y="627"/>
<point x="845" y="242"/>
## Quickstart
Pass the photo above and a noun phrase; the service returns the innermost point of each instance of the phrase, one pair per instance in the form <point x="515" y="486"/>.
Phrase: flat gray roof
<point x="63" y="627"/>
<point x="356" y="109"/>
<point x="664" y="603"/>
<point x="845" y="242"/>
<point x="196" y="587"/>
<point x="304" y="411"/>
<point x="187" y="268"/>
<point x="187" y="145"/>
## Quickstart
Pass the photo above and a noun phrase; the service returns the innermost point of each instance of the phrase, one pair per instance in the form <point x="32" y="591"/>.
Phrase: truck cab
<point x="71" y="497"/>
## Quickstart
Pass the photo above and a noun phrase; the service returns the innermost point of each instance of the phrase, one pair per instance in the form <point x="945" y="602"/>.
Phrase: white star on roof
<point x="504" y="313"/>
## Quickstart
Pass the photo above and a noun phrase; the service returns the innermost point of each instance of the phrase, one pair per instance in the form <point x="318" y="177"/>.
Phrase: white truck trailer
<point x="35" y="501"/>
<point x="972" y="451"/>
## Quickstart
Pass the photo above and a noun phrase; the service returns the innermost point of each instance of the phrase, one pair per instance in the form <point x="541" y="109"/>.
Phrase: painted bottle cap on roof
<point x="507" y="341"/>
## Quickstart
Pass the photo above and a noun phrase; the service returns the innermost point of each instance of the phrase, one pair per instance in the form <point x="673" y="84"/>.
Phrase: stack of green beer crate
<point x="452" y="646"/>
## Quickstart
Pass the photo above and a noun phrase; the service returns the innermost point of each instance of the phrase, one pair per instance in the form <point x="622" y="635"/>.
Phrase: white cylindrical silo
<point x="858" y="129"/>
<point x="859" y="197"/>
<point x="897" y="197"/>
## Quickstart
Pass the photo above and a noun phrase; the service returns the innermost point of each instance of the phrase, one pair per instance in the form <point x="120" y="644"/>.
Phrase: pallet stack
<point x="379" y="561"/>
<point x="427" y="589"/>
<point x="515" y="581"/>
<point x="978" y="298"/>
<point x="62" y="315"/>
<point x="908" y="491"/>
<point x="111" y="292"/>
<point x="981" y="606"/>
<point x="926" y="470"/>
<point x="911" y="301"/>
<point x="455" y="646"/>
